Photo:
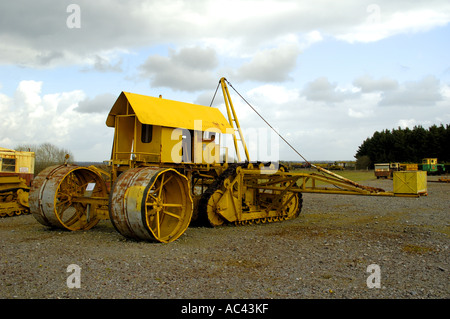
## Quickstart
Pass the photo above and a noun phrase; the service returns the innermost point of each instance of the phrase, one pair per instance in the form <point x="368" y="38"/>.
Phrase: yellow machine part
<point x="147" y="203"/>
<point x="157" y="130"/>
<point x="150" y="203"/>
<point x="13" y="196"/>
<point x="153" y="187"/>
<point x="69" y="197"/>
<point x="236" y="197"/>
<point x="154" y="111"/>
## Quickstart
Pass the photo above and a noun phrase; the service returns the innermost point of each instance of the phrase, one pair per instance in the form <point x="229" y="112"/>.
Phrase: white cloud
<point x="357" y="114"/>
<point x="108" y="62"/>
<point x="188" y="69"/>
<point x="368" y="84"/>
<point x="28" y="94"/>
<point x="311" y="38"/>
<point x="273" y="94"/>
<point x="99" y="104"/>
<point x="322" y="90"/>
<point x="425" y="92"/>
<point x="407" y="123"/>
<point x="29" y="117"/>
<point x="35" y="33"/>
<point x="381" y="23"/>
<point x="270" y="65"/>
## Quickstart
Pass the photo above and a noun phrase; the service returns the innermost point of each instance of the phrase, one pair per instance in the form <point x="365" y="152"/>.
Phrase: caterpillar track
<point x="13" y="197"/>
<point x="235" y="198"/>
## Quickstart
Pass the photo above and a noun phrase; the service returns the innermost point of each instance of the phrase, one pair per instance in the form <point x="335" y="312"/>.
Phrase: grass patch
<point x="354" y="175"/>
<point x="416" y="249"/>
<point x="244" y="263"/>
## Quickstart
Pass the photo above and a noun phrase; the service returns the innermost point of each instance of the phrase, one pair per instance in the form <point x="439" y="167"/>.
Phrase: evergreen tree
<point x="406" y="145"/>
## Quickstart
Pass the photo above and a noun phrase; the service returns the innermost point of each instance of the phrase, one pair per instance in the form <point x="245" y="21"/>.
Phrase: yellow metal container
<point x="410" y="182"/>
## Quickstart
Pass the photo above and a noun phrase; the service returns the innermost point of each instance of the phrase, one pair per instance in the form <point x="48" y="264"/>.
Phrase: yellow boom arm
<point x="232" y="118"/>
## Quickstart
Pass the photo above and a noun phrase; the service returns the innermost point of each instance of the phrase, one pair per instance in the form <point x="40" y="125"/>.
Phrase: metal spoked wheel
<point x="151" y="204"/>
<point x="212" y="209"/>
<point x="166" y="207"/>
<point x="293" y="207"/>
<point x="56" y="197"/>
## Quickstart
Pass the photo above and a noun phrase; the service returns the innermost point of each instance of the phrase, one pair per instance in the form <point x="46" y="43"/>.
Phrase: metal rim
<point x="55" y="197"/>
<point x="75" y="215"/>
<point x="212" y="209"/>
<point x="150" y="203"/>
<point x="167" y="206"/>
<point x="293" y="207"/>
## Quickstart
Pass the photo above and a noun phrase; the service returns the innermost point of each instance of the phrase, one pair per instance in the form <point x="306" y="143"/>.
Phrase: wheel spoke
<point x="213" y="201"/>
<point x="63" y="208"/>
<point x="167" y="180"/>
<point x="171" y="214"/>
<point x="63" y="194"/>
<point x="212" y="209"/>
<point x="76" y="217"/>
<point x="158" y="230"/>
<point x="62" y="202"/>
<point x="59" y="204"/>
<point x="152" y="203"/>
<point x="152" y="196"/>
<point x="172" y="205"/>
<point x="161" y="186"/>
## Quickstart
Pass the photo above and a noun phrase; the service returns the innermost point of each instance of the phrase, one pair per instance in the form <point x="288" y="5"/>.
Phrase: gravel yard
<point x="324" y="253"/>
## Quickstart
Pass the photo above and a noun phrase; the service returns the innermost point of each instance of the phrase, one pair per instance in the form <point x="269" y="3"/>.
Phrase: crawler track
<point x="14" y="201"/>
<point x="252" y="213"/>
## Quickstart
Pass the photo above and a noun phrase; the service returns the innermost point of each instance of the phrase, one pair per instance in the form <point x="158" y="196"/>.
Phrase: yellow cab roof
<point x="169" y="113"/>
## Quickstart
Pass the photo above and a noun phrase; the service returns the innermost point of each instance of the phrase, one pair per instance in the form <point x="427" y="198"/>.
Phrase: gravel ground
<point x="324" y="253"/>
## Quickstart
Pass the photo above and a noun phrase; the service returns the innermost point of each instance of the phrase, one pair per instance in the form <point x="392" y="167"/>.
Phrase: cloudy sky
<point x="325" y="74"/>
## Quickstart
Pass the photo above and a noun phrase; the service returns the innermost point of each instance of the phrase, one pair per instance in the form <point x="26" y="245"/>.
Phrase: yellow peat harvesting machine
<point x="167" y="171"/>
<point x="16" y="173"/>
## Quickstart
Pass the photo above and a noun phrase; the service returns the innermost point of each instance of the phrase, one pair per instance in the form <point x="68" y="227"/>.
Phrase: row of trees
<point x="45" y="155"/>
<point x="406" y="145"/>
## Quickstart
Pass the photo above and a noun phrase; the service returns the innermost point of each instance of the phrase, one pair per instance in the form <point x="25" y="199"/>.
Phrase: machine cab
<point x="17" y="163"/>
<point x="429" y="161"/>
<point x="157" y="130"/>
